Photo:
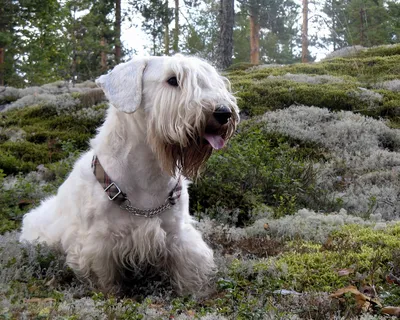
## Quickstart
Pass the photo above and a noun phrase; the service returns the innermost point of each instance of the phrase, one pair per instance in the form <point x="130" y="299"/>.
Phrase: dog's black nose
<point x="222" y="114"/>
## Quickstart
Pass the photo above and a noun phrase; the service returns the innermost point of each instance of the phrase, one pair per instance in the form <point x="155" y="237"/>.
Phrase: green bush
<point x="257" y="168"/>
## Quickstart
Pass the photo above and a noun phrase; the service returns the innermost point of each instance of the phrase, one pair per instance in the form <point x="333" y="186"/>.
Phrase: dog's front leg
<point x="94" y="261"/>
<point x="191" y="263"/>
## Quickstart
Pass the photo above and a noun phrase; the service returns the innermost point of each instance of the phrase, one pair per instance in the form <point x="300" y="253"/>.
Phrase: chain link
<point x="148" y="213"/>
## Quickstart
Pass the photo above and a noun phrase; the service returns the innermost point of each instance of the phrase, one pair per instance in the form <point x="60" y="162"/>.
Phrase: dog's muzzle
<point x="222" y="114"/>
<point x="216" y="129"/>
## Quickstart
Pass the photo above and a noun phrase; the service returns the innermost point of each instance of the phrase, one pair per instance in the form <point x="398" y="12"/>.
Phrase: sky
<point x="133" y="37"/>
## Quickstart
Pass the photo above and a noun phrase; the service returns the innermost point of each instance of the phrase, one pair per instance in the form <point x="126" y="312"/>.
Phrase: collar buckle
<point x="113" y="184"/>
<point x="104" y="179"/>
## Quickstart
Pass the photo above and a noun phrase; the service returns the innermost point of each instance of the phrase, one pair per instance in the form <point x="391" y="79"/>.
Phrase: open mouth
<point x="218" y="128"/>
<point x="215" y="140"/>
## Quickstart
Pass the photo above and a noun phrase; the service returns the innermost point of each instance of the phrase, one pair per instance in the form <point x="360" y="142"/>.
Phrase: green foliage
<point x="90" y="27"/>
<point x="49" y="139"/>
<point x="368" y="23"/>
<point x="380" y="51"/>
<point x="361" y="22"/>
<point x="202" y="33"/>
<point x="156" y="14"/>
<point x="51" y="40"/>
<point x="45" y="133"/>
<point x="35" y="35"/>
<point x="257" y="93"/>
<point x="256" y="168"/>
<point x="366" y="252"/>
<point x="21" y="193"/>
<point x="278" y="43"/>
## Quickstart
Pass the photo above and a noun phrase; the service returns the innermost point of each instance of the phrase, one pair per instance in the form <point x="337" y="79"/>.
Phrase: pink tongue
<point x="216" y="141"/>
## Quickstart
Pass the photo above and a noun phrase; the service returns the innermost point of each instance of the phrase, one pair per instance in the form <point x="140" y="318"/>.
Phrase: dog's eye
<point x="173" y="81"/>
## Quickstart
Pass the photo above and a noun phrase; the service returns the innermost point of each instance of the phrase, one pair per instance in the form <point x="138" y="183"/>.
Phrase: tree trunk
<point x="362" y="30"/>
<point x="254" y="39"/>
<point x="175" y="45"/>
<point x="225" y="43"/>
<point x="166" y="34"/>
<point x="117" y="31"/>
<point x="2" y="47"/>
<point x="2" y="66"/>
<point x="304" y="33"/>
<point x="74" y="45"/>
<point x="103" y="55"/>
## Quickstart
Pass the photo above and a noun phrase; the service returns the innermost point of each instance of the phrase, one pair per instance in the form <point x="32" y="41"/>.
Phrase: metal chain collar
<point x="148" y="213"/>
<point x="115" y="194"/>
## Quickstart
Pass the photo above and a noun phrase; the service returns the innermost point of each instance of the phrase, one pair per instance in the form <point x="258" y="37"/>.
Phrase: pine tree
<point x="175" y="45"/>
<point x="337" y="22"/>
<point x="304" y="33"/>
<point x="277" y="17"/>
<point x="95" y="44"/>
<point x="157" y="17"/>
<point x="394" y="21"/>
<point x="39" y="43"/>
<point x="362" y="22"/>
<point x="118" y="53"/>
<point x="7" y="9"/>
<point x="201" y="30"/>
<point x="241" y="38"/>
<point x="368" y="23"/>
<point x="225" y="41"/>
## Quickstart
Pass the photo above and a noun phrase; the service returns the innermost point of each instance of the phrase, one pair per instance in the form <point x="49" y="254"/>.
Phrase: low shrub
<point x="304" y="224"/>
<point x="257" y="168"/>
<point x="360" y="173"/>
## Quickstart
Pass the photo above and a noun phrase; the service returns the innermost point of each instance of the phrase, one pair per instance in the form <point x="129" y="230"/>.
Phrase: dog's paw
<point x="191" y="264"/>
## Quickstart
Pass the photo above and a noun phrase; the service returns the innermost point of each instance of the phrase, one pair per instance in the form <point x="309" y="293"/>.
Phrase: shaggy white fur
<point x="146" y="116"/>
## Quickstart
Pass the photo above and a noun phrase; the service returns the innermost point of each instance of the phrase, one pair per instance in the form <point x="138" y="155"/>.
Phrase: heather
<point x="301" y="204"/>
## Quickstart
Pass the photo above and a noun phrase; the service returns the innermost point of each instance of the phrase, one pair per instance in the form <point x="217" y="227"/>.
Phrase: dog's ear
<point x="123" y="85"/>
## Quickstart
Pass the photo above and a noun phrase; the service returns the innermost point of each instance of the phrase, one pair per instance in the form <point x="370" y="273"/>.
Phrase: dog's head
<point x="188" y="107"/>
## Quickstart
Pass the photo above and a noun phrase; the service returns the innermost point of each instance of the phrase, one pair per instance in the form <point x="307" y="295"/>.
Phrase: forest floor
<point x="302" y="208"/>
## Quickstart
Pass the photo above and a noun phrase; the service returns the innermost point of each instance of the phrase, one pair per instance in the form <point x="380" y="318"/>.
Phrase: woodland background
<point x="45" y="41"/>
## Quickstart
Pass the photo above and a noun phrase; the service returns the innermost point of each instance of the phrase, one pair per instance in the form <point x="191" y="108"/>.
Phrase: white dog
<point x="125" y="205"/>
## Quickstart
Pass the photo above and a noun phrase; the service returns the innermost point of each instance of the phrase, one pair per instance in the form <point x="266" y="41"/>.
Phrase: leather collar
<point x="115" y="194"/>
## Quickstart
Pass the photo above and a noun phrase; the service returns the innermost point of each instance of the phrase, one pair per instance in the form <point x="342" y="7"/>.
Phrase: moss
<point x="382" y="51"/>
<point x="366" y="252"/>
<point x="7" y="99"/>
<point x="367" y="68"/>
<point x="30" y="113"/>
<point x="7" y="225"/>
<point x="25" y="156"/>
<point x="240" y="66"/>
<point x="257" y="93"/>
<point x="355" y="236"/>
<point x="3" y="137"/>
<point x="264" y="95"/>
<point x="45" y="132"/>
